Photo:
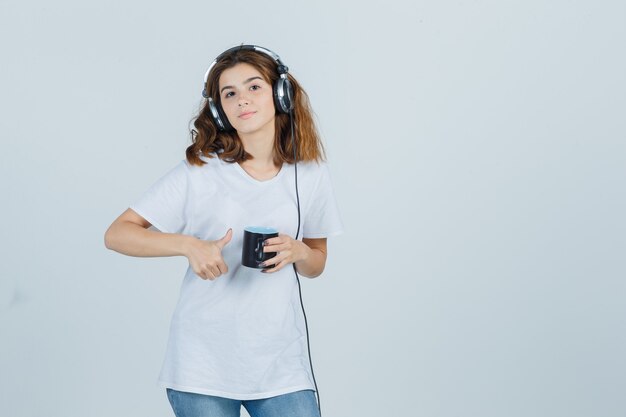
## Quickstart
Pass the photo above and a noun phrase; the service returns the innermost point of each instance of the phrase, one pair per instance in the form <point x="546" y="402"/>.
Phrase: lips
<point x="247" y="115"/>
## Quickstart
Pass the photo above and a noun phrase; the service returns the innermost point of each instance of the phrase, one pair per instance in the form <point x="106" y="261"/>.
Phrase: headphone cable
<point x="295" y="162"/>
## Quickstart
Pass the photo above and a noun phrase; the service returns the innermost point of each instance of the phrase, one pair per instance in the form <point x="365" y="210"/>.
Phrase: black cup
<point x="252" y="254"/>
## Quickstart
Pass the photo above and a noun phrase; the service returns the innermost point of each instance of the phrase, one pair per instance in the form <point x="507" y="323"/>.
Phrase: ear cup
<point x="219" y="117"/>
<point x="283" y="95"/>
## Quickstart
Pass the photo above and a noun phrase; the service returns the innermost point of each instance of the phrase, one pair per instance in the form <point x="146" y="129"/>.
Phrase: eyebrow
<point x="245" y="82"/>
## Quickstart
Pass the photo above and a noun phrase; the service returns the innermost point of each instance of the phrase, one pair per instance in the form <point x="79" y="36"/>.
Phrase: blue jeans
<point x="293" y="404"/>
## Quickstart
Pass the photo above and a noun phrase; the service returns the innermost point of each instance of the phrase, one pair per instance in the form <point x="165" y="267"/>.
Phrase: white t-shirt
<point x="241" y="336"/>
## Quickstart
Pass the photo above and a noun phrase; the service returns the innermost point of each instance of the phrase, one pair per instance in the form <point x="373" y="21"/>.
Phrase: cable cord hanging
<point x="295" y="162"/>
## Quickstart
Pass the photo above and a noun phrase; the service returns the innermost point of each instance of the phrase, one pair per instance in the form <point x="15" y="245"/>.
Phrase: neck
<point x="260" y="145"/>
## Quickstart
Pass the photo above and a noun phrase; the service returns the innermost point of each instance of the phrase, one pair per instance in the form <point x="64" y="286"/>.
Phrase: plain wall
<point x="477" y="149"/>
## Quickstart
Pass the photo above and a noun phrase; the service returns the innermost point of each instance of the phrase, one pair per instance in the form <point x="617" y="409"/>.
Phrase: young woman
<point x="238" y="335"/>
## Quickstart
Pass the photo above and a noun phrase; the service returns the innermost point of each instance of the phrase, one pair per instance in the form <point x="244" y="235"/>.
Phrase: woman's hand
<point x="205" y="256"/>
<point x="289" y="251"/>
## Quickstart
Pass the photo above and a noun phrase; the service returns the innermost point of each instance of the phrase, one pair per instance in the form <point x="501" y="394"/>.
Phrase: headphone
<point x="283" y="92"/>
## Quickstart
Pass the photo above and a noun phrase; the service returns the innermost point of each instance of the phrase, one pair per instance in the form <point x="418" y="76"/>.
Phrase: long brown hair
<point x="206" y="137"/>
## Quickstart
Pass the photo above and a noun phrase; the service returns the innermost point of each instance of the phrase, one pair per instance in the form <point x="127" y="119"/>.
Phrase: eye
<point x="255" y="87"/>
<point x="229" y="94"/>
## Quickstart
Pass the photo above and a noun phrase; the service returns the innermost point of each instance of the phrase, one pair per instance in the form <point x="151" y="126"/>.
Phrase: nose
<point x="243" y="100"/>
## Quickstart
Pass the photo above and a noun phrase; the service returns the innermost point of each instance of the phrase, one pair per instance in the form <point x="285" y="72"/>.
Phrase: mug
<point x="252" y="254"/>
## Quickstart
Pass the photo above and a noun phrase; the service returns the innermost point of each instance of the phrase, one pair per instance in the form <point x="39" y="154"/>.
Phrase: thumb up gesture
<point x="205" y="256"/>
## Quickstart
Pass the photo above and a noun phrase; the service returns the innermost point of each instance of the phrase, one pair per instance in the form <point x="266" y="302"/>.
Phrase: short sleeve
<point x="322" y="218"/>
<point x="164" y="203"/>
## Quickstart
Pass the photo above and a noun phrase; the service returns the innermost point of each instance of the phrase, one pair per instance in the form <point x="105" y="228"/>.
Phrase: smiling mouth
<point x="247" y="115"/>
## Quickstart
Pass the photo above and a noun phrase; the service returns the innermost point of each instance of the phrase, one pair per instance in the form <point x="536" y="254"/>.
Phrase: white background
<point x="478" y="154"/>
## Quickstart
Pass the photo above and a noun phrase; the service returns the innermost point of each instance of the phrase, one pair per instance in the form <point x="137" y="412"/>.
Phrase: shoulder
<point x="210" y="164"/>
<point x="313" y="175"/>
<point x="209" y="161"/>
<point x="182" y="172"/>
<point x="177" y="172"/>
<point x="313" y="168"/>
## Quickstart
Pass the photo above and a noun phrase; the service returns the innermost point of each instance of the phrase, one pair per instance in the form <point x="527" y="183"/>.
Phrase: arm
<point x="128" y="235"/>
<point x="313" y="265"/>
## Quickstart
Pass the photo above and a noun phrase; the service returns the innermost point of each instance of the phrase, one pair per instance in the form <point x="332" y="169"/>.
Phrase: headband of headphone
<point x="282" y="89"/>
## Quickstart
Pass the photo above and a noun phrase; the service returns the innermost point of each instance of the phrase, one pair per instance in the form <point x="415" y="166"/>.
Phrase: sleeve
<point x="164" y="203"/>
<point x="322" y="218"/>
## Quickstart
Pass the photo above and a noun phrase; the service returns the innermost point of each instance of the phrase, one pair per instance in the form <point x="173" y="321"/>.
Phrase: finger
<point x="222" y="267"/>
<point x="278" y="247"/>
<point x="269" y="241"/>
<point x="276" y="260"/>
<point x="211" y="272"/>
<point x="204" y="274"/>
<point x="224" y="240"/>
<point x="216" y="271"/>
<point x="277" y="267"/>
<point x="278" y="240"/>
<point x="281" y="256"/>
<point x="271" y="261"/>
<point x="200" y="271"/>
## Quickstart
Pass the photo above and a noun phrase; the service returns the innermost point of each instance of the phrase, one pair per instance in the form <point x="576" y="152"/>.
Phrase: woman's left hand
<point x="289" y="251"/>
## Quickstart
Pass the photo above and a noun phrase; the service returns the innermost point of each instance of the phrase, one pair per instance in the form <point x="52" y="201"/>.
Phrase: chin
<point x="247" y="129"/>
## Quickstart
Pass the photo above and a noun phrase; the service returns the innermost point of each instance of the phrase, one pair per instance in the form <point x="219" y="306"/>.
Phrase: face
<point x="247" y="100"/>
